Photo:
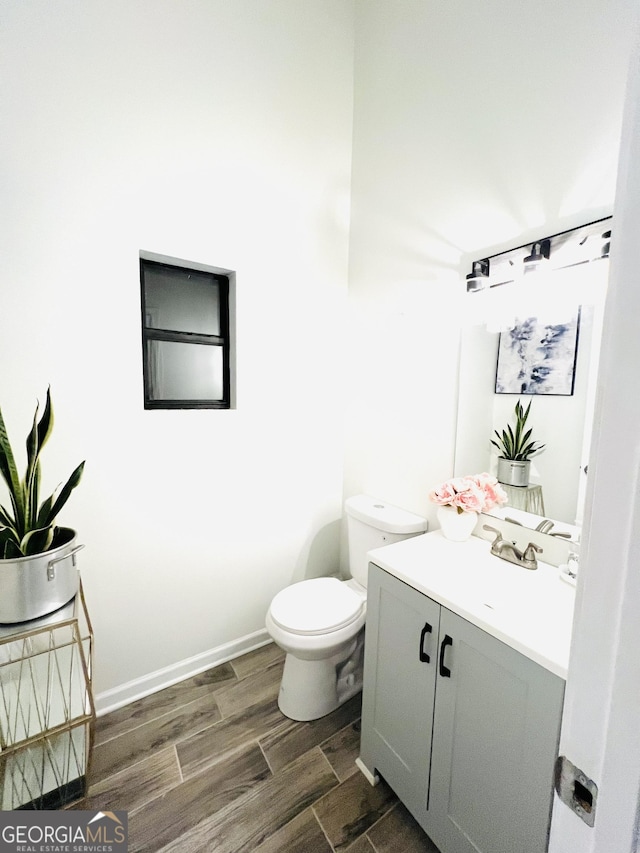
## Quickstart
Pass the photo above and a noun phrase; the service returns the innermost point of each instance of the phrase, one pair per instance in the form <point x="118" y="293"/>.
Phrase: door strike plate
<point x="576" y="790"/>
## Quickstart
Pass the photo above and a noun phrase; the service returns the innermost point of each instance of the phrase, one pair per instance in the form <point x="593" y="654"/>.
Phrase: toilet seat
<point x="317" y="606"/>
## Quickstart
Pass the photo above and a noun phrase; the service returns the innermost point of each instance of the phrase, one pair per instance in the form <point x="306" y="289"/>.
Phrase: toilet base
<point x="311" y="689"/>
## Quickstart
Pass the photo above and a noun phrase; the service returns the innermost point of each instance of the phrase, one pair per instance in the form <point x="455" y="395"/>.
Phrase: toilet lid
<point x="316" y="606"/>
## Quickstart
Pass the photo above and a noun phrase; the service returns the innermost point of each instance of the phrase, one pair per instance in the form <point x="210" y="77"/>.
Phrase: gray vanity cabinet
<point x="401" y="647"/>
<point x="464" y="728"/>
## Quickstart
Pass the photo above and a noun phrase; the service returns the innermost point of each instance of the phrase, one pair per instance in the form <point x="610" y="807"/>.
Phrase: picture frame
<point x="537" y="356"/>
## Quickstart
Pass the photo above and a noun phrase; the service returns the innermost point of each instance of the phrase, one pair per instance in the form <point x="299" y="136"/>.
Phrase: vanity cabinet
<point x="462" y="727"/>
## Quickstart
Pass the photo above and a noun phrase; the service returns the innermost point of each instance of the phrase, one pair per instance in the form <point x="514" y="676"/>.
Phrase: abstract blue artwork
<point x="538" y="357"/>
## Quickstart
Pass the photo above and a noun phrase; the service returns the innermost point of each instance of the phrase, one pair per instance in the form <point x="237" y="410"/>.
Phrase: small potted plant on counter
<point x="37" y="558"/>
<point x="516" y="447"/>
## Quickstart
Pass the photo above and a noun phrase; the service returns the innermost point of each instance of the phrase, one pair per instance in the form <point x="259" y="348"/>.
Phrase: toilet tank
<point x="372" y="523"/>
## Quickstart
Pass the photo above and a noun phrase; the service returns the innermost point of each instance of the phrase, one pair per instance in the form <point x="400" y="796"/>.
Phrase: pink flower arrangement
<point x="473" y="493"/>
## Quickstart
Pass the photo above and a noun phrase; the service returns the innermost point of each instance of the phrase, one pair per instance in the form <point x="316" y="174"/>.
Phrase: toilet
<point x="319" y="623"/>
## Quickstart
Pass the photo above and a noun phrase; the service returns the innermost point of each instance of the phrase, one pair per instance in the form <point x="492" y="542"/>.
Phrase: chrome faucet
<point x="508" y="551"/>
<point x="546" y="526"/>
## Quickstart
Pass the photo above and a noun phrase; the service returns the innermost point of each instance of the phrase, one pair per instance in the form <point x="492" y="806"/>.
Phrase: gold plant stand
<point x="528" y="498"/>
<point x="47" y="712"/>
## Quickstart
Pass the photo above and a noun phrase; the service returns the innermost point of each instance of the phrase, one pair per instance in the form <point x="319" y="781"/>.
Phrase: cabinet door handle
<point x="445" y="672"/>
<point x="424" y="657"/>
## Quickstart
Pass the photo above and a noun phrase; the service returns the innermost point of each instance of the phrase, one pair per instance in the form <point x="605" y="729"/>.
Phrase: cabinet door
<point x="496" y="724"/>
<point x="399" y="683"/>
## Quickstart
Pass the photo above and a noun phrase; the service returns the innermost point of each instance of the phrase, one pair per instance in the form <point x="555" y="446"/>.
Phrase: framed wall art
<point x="538" y="357"/>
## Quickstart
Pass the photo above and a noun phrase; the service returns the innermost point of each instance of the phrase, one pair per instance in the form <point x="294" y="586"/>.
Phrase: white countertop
<point x="531" y="611"/>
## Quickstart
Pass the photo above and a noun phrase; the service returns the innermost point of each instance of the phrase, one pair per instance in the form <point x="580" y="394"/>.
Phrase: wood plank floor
<point x="212" y="765"/>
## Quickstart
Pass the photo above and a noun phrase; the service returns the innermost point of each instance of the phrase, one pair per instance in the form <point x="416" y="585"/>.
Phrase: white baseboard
<point x="110" y="700"/>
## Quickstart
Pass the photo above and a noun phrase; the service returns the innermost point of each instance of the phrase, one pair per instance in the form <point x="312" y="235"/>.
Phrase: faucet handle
<point x="529" y="559"/>
<point x="496" y="544"/>
<point x="493" y="530"/>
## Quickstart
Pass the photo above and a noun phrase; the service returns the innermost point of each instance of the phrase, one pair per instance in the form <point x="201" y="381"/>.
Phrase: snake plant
<point x="27" y="526"/>
<point x="517" y="444"/>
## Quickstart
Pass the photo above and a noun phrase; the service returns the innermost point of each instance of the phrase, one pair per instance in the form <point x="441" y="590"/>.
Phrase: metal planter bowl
<point x="513" y="473"/>
<point x="31" y="587"/>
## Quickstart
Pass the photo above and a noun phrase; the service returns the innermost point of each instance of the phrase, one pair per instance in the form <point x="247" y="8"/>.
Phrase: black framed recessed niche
<point x="186" y="335"/>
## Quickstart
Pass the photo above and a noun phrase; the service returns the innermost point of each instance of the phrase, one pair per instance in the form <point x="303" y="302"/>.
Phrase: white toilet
<point x="319" y="623"/>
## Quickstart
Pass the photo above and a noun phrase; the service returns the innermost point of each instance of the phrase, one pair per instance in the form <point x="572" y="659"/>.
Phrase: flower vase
<point x="456" y="526"/>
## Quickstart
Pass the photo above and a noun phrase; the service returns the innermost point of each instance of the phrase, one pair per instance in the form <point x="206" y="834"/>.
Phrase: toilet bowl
<point x="319" y="623"/>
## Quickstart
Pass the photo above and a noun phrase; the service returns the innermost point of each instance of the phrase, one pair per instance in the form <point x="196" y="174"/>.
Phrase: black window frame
<point x="222" y="340"/>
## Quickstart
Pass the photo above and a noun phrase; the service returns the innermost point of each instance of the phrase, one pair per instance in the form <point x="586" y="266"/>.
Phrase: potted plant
<point x="37" y="558"/>
<point x="516" y="447"/>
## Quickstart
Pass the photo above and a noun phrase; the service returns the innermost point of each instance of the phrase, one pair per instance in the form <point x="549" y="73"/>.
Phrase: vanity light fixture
<point x="540" y="252"/>
<point x="581" y="245"/>
<point x="478" y="278"/>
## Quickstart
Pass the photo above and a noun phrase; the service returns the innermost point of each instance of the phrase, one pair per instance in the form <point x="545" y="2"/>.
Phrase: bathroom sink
<point x="528" y="609"/>
<point x="515" y="593"/>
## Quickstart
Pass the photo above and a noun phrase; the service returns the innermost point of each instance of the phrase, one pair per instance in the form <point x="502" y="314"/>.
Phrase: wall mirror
<point x="539" y="307"/>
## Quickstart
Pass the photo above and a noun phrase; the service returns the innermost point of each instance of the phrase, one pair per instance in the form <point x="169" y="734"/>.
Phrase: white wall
<point x="217" y="131"/>
<point x="477" y="126"/>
